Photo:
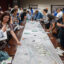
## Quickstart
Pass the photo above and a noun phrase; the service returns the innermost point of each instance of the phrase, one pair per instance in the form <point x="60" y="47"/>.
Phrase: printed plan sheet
<point x="36" y="47"/>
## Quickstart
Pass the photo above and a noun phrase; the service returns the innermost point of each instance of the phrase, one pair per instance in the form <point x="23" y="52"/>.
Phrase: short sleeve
<point x="11" y="26"/>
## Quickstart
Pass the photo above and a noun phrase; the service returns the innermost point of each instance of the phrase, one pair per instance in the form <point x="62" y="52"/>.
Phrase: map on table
<point x="36" y="47"/>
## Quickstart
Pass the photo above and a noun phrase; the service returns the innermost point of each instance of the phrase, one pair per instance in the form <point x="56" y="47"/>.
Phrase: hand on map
<point x="18" y="42"/>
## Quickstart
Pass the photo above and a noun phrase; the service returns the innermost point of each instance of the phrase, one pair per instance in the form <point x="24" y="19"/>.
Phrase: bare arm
<point x="60" y="25"/>
<point x="14" y="36"/>
<point x="12" y="33"/>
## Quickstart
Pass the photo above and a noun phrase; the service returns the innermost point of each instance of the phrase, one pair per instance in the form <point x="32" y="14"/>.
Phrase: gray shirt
<point x="45" y="18"/>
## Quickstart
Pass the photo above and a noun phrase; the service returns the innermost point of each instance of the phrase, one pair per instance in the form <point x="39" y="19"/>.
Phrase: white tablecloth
<point x="36" y="47"/>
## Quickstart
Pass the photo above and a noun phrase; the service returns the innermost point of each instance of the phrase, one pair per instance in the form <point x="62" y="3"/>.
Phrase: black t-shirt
<point x="60" y="20"/>
<point x="61" y="29"/>
<point x="23" y="15"/>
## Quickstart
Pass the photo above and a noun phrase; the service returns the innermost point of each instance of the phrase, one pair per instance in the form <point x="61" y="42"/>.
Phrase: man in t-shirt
<point x="59" y="15"/>
<point x="23" y="17"/>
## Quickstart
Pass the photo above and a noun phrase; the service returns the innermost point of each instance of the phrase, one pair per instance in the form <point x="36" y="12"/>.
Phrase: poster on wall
<point x="55" y="7"/>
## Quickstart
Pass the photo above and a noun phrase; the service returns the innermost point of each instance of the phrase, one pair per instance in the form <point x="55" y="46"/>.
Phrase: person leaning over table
<point x="53" y="23"/>
<point x="57" y="24"/>
<point x="5" y="23"/>
<point x="51" y="20"/>
<point x="61" y="34"/>
<point x="54" y="29"/>
<point x="38" y="15"/>
<point x="28" y="15"/>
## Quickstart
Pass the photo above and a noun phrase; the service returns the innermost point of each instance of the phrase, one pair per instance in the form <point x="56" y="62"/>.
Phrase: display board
<point x="54" y="7"/>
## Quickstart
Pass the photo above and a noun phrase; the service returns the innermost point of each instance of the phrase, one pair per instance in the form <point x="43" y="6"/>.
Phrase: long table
<point x="36" y="47"/>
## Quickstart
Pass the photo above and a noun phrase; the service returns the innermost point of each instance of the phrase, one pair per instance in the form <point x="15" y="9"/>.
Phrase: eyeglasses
<point x="6" y="17"/>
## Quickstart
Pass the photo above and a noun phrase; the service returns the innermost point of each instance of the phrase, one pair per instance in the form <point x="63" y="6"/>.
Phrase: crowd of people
<point x="52" y="22"/>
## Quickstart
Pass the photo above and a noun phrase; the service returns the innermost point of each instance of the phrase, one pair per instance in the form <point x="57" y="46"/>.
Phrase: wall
<point x="43" y="3"/>
<point x="4" y="4"/>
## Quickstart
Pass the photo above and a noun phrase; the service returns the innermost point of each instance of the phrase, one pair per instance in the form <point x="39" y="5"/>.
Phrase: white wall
<point x="43" y="3"/>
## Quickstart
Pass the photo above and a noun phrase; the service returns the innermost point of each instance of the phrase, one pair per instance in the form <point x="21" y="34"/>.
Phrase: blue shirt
<point x="31" y="12"/>
<point x="55" y="13"/>
<point x="63" y="11"/>
<point x="38" y="16"/>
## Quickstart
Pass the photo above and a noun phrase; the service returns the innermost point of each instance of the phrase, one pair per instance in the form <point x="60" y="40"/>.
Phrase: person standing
<point x="31" y="11"/>
<point x="45" y="19"/>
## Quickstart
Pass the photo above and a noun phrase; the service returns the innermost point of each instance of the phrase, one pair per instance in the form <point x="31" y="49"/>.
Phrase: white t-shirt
<point x="1" y="33"/>
<point x="60" y="14"/>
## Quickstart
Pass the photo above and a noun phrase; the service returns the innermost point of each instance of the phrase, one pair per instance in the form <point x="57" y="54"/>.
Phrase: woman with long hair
<point x="5" y="23"/>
